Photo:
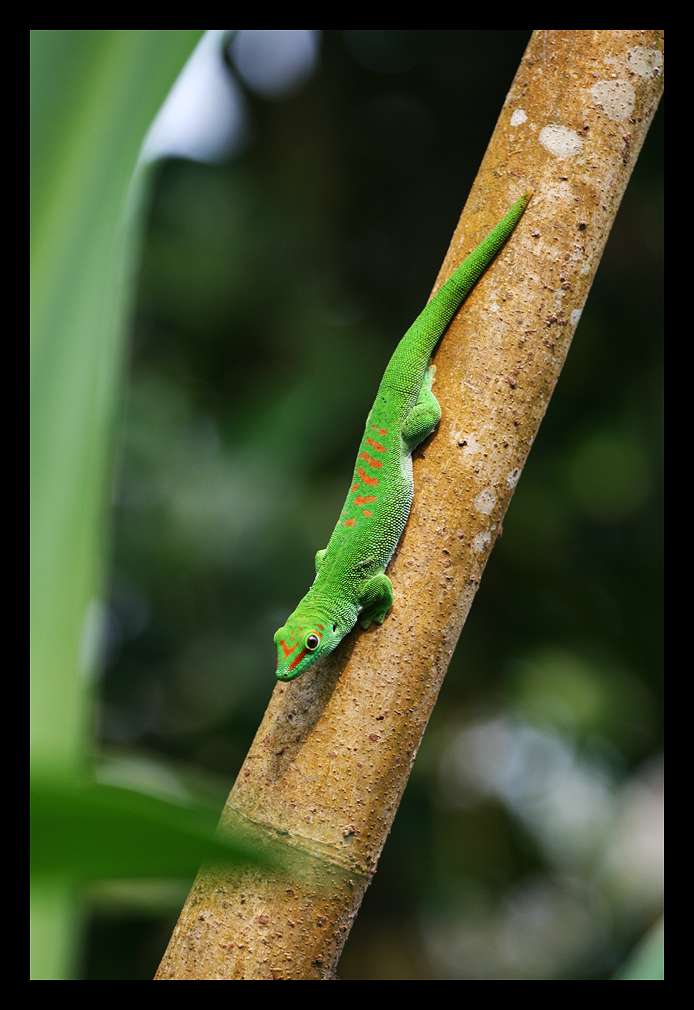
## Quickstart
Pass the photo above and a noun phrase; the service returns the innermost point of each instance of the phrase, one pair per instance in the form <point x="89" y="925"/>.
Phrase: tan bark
<point x="331" y="759"/>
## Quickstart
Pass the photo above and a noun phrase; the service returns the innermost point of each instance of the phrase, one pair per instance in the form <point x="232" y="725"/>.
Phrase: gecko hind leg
<point x="424" y="416"/>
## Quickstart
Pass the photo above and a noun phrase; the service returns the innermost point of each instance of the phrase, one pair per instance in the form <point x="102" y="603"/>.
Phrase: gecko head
<point x="301" y="642"/>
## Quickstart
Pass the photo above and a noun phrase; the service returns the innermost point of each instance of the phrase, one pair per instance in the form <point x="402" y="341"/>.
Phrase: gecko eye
<point x="312" y="642"/>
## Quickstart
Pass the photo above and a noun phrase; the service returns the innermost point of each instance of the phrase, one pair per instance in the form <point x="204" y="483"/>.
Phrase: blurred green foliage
<point x="102" y="831"/>
<point x="274" y="285"/>
<point x="93" y="96"/>
<point x="647" y="962"/>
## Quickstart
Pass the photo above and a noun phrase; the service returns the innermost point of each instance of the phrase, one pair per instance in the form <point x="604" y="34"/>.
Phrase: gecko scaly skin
<point x="351" y="584"/>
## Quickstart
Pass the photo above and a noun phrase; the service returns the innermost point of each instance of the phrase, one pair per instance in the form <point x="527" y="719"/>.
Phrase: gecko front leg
<point x="376" y="599"/>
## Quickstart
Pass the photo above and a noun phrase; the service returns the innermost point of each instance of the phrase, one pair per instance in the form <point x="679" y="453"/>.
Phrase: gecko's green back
<point x="350" y="583"/>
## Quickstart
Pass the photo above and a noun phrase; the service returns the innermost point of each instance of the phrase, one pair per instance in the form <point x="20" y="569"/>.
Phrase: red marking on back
<point x="372" y="462"/>
<point x="363" y="499"/>
<point x="371" y="481"/>
<point x="367" y="513"/>
<point x="377" y="445"/>
<point x="350" y="522"/>
<point x="381" y="431"/>
<point x="355" y="488"/>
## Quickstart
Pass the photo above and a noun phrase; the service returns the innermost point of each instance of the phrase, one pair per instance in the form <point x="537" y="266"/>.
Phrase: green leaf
<point x="94" y="94"/>
<point x="647" y="961"/>
<point x="99" y="831"/>
<point x="93" y="97"/>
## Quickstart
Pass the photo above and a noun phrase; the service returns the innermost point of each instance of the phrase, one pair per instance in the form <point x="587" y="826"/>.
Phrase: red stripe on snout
<point x="298" y="659"/>
<point x="285" y="649"/>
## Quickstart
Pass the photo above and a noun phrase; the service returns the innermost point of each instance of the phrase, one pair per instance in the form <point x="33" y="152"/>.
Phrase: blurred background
<point x="304" y="189"/>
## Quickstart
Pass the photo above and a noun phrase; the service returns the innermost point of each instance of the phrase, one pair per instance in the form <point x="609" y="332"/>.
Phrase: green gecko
<point x="351" y="584"/>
